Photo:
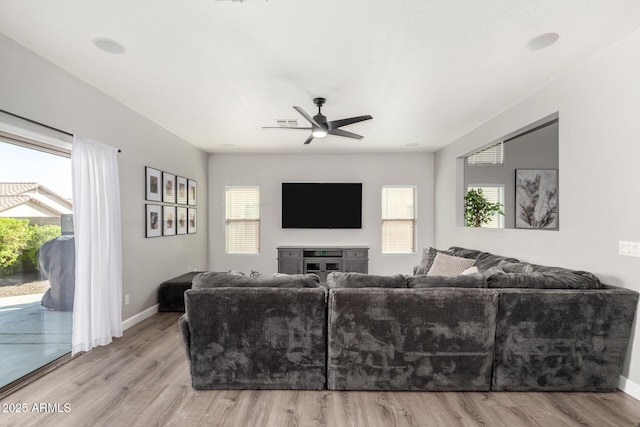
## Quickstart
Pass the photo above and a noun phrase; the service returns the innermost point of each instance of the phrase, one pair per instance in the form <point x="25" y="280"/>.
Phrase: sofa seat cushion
<point x="411" y="339"/>
<point x="213" y="280"/>
<point x="338" y="279"/>
<point x="462" y="281"/>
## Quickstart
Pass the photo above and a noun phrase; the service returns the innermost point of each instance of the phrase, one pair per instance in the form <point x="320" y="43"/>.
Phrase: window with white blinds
<point x="495" y="194"/>
<point x="398" y="219"/>
<point x="493" y="155"/>
<point x="242" y="217"/>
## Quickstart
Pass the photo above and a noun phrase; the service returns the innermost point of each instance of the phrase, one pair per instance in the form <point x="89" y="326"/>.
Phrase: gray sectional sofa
<point x="506" y="326"/>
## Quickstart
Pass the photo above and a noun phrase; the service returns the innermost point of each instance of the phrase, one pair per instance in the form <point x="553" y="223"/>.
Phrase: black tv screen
<point x="321" y="205"/>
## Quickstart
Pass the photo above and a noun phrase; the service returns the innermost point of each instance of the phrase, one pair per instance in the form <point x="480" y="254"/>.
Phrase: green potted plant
<point x="478" y="210"/>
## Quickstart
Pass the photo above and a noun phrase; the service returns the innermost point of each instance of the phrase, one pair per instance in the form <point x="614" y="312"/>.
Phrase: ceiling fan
<point x="320" y="127"/>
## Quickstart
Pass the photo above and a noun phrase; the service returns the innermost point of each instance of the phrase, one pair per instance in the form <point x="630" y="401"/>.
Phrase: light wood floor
<point x="142" y="379"/>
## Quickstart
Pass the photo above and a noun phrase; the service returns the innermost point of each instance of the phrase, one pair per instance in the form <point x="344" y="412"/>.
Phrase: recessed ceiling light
<point x="109" y="46"/>
<point x="412" y="144"/>
<point x="542" y="41"/>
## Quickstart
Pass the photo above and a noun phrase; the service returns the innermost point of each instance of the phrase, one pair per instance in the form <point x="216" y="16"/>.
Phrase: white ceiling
<point x="214" y="72"/>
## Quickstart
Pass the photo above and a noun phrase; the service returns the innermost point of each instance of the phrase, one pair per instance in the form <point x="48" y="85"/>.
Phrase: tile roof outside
<point x="7" y="202"/>
<point x="12" y="194"/>
<point x="15" y="188"/>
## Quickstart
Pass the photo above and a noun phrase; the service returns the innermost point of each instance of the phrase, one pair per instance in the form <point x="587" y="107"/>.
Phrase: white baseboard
<point x="629" y="387"/>
<point x="134" y="320"/>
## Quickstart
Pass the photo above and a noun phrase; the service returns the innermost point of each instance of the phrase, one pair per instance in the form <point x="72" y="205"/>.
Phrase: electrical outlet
<point x="629" y="248"/>
<point x="126" y="299"/>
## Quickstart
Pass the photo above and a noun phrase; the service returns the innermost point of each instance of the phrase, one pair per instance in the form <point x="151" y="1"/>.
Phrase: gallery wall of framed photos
<point x="172" y="210"/>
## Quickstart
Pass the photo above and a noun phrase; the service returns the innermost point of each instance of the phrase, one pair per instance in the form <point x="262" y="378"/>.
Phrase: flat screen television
<point x="321" y="205"/>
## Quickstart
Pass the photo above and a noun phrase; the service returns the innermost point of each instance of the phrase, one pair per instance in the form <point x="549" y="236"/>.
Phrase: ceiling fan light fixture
<point x="319" y="133"/>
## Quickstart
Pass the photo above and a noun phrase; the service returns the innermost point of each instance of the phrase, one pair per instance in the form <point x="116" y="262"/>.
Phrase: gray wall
<point x="598" y="153"/>
<point x="35" y="88"/>
<point x="534" y="150"/>
<point x="270" y="171"/>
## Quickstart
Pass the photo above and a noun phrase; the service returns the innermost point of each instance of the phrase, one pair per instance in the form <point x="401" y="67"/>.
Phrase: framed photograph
<point x="153" y="220"/>
<point x="192" y="221"/>
<point x="181" y="220"/>
<point x="181" y="192"/>
<point x="153" y="184"/>
<point x="192" y="193"/>
<point x="168" y="220"/>
<point x="537" y="198"/>
<point x="168" y="187"/>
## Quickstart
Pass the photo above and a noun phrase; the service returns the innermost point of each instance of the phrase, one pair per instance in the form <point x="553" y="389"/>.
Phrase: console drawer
<point x="355" y="253"/>
<point x="291" y="253"/>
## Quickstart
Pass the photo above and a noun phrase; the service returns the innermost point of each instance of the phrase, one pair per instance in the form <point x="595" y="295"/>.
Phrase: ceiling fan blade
<point x="308" y="140"/>
<point x="344" y="122"/>
<point x="284" y="127"/>
<point x="306" y="116"/>
<point x="340" y="132"/>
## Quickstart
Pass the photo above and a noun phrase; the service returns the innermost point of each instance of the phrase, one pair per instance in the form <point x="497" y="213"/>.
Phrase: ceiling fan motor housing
<point x="320" y="118"/>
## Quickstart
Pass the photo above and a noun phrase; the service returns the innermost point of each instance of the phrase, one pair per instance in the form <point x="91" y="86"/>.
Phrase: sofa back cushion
<point x="505" y="272"/>
<point x="337" y="279"/>
<point x="484" y="260"/>
<point x="562" y="339"/>
<point x="256" y="338"/>
<point x="542" y="279"/>
<point x="515" y="267"/>
<point x="216" y="280"/>
<point x="464" y="252"/>
<point x="411" y="339"/>
<point x="462" y="281"/>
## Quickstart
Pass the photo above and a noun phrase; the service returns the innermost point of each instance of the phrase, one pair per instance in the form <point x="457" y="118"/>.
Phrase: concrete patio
<point x="30" y="336"/>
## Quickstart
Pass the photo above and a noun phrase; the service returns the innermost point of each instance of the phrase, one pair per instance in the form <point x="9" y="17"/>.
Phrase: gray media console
<point x="322" y="260"/>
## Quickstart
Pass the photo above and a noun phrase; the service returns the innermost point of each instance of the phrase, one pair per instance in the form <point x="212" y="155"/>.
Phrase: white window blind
<point x="492" y="155"/>
<point x="398" y="219"/>
<point x="242" y="217"/>
<point x="495" y="194"/>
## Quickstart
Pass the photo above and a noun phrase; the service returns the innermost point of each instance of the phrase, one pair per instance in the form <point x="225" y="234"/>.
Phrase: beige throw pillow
<point x="428" y="255"/>
<point x="447" y="265"/>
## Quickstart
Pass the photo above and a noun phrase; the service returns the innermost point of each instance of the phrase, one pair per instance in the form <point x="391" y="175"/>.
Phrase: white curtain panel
<point x="97" y="315"/>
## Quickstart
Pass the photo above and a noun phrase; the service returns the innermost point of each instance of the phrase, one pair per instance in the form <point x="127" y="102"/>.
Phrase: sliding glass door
<point x="36" y="258"/>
